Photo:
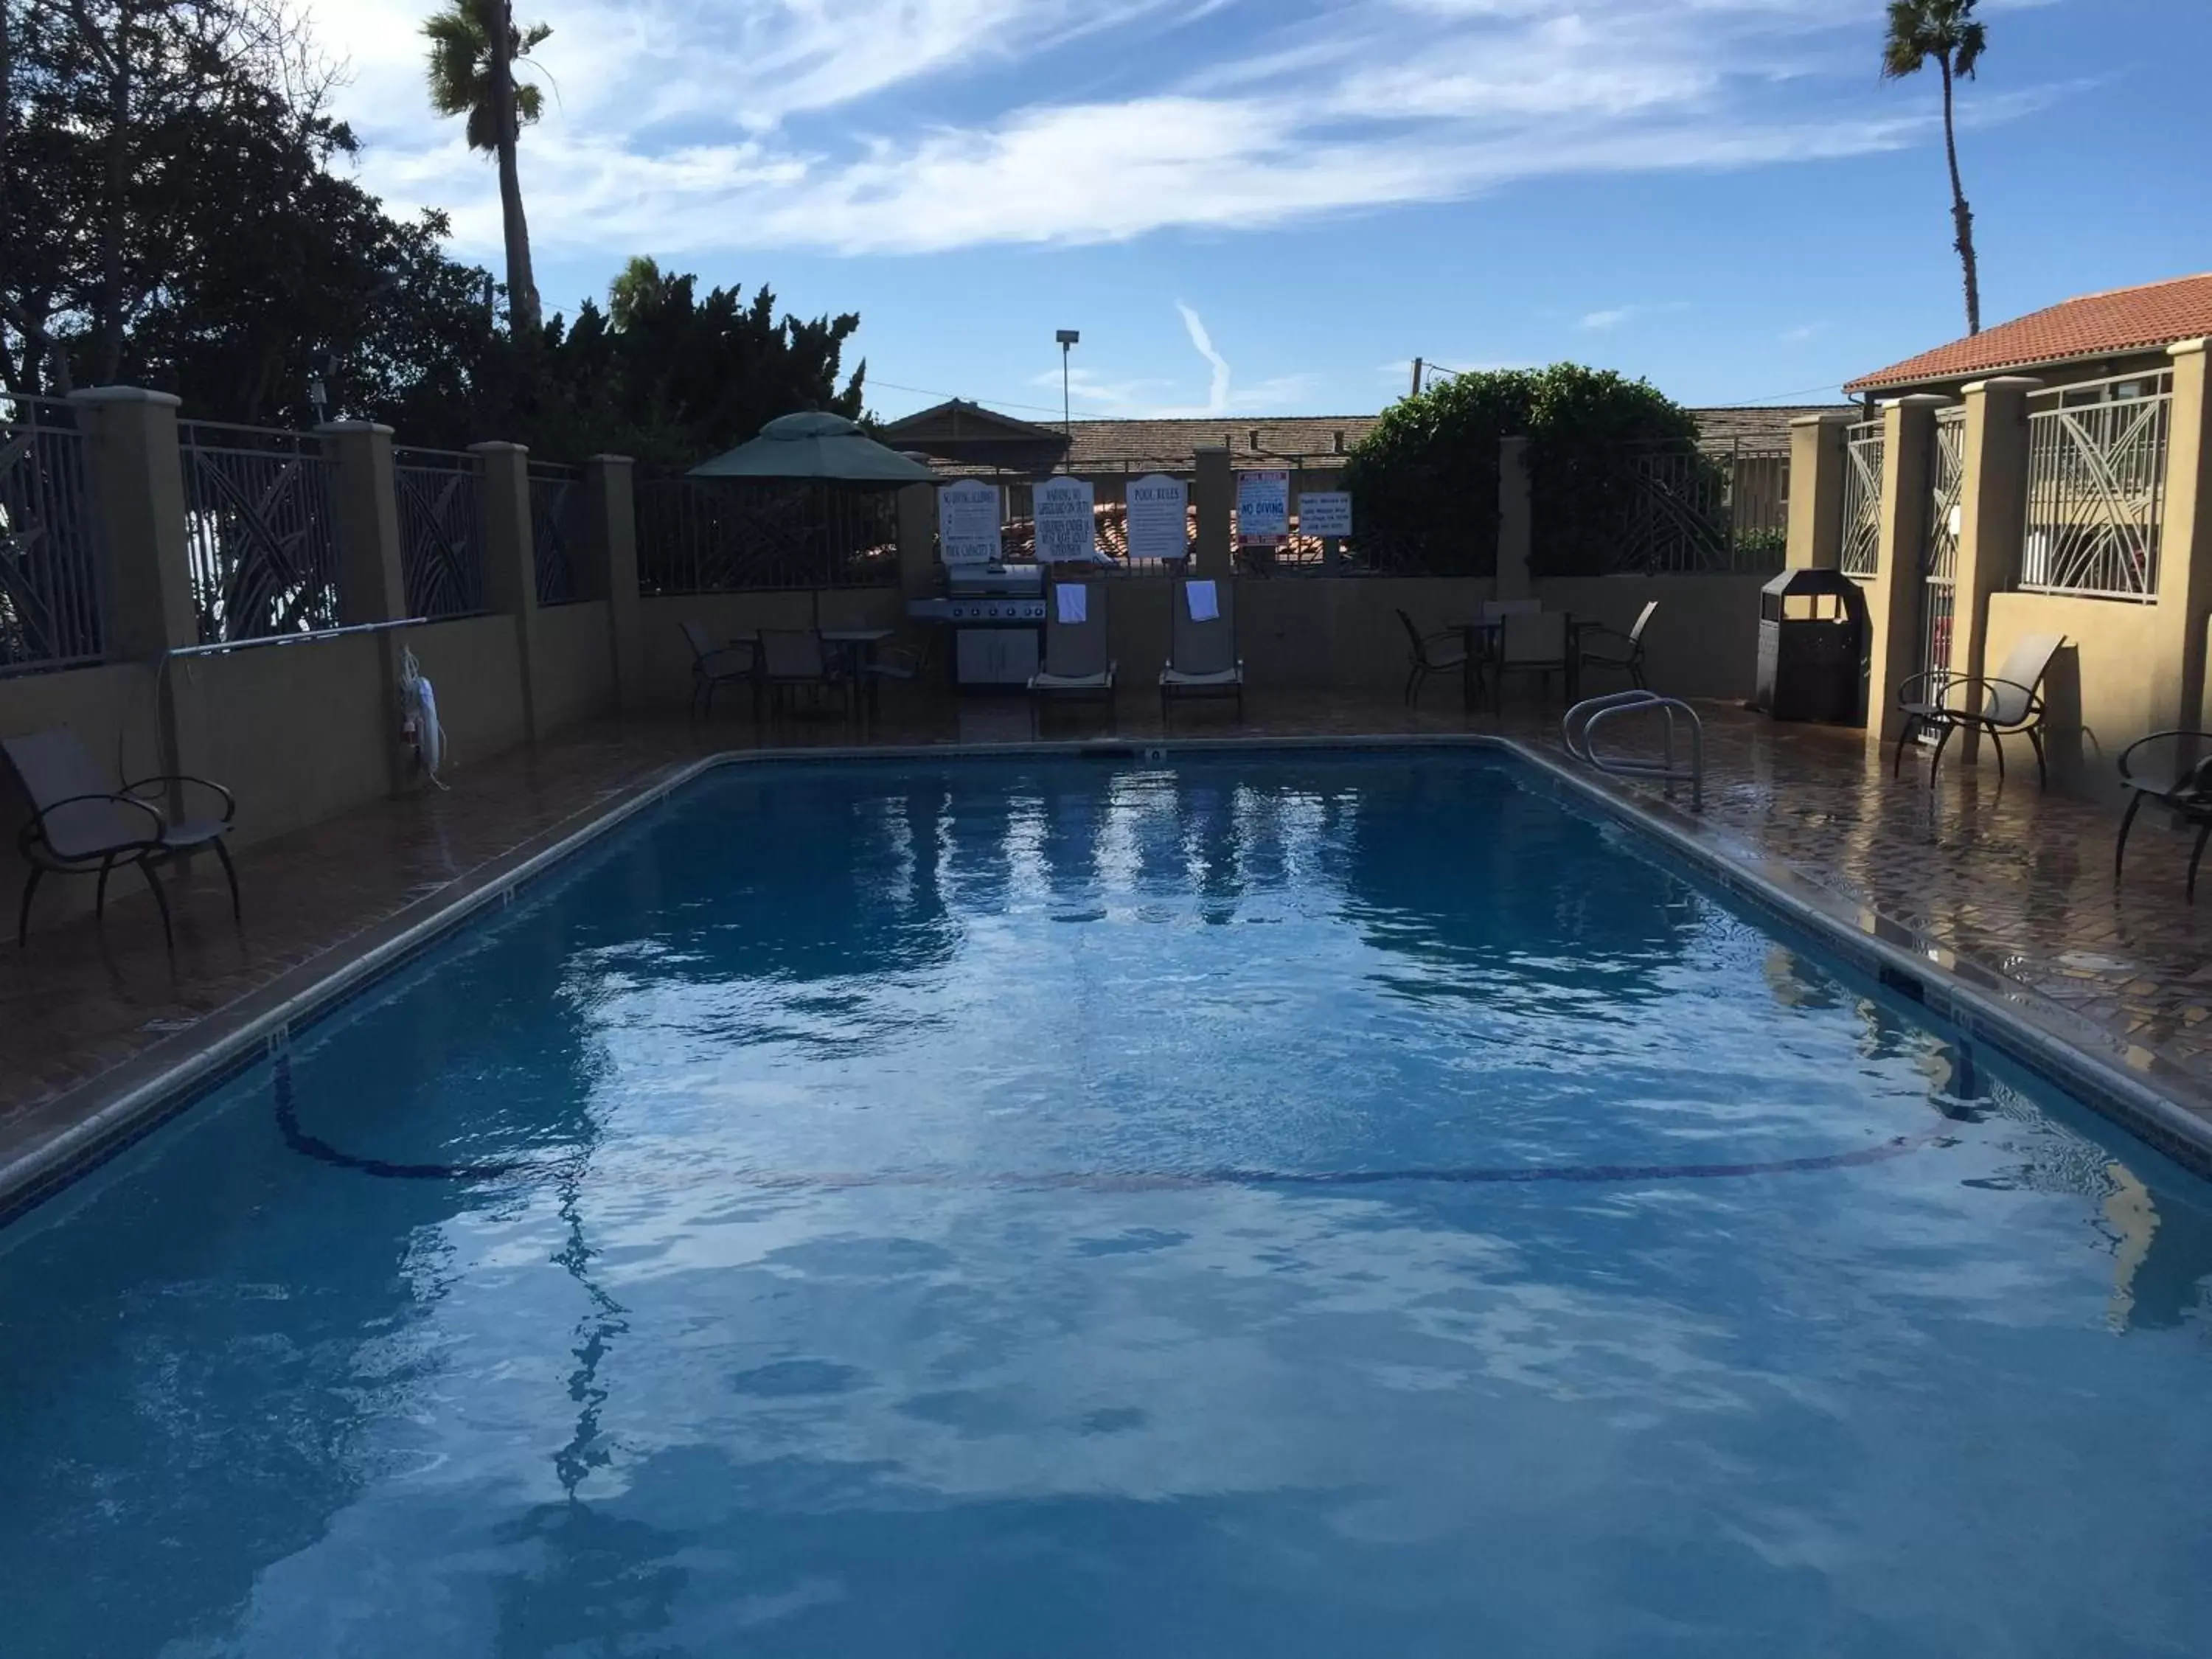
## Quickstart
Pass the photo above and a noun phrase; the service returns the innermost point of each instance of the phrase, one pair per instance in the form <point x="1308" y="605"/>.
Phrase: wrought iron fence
<point x="556" y="502"/>
<point x="441" y="495"/>
<point x="1694" y="509"/>
<point x="259" y="530"/>
<point x="718" y="535"/>
<point x="1939" y="558"/>
<point x="2096" y="486"/>
<point x="1866" y="458"/>
<point x="50" y="552"/>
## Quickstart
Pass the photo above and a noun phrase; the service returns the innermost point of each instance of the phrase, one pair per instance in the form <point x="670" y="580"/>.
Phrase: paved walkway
<point x="2018" y="882"/>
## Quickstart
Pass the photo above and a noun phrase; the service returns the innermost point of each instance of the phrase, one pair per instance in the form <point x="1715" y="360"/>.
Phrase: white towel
<point x="1074" y="601"/>
<point x="1204" y="601"/>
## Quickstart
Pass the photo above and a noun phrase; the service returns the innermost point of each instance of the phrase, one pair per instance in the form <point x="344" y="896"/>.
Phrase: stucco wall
<point x="573" y="664"/>
<point x="1703" y="642"/>
<point x="2100" y="687"/>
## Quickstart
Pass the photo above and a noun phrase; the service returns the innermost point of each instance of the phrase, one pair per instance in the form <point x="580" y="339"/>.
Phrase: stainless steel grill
<point x="997" y="616"/>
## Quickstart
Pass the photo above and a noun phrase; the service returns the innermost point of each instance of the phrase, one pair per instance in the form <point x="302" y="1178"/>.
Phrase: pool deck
<point x="1995" y="881"/>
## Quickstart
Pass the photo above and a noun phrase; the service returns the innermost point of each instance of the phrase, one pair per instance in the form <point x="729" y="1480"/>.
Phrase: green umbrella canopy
<point x="815" y="446"/>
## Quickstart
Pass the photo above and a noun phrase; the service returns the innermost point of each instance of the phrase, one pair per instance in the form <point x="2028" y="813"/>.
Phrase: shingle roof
<point x="2126" y="320"/>
<point x="1171" y="446"/>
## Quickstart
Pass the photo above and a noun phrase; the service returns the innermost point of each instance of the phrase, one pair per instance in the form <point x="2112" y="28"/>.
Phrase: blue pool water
<point x="1287" y="1205"/>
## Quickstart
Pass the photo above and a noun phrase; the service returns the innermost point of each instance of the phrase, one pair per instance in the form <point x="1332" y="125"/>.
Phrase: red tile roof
<point x="2127" y="319"/>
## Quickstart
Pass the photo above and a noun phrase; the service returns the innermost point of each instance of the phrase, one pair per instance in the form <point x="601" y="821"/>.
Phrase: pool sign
<point x="1066" y="532"/>
<point x="968" y="521"/>
<point x="1263" y="507"/>
<point x="1325" y="513"/>
<point x="1159" y="525"/>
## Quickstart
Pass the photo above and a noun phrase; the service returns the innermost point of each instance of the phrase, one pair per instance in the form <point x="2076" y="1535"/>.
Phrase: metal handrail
<point x="1579" y="728"/>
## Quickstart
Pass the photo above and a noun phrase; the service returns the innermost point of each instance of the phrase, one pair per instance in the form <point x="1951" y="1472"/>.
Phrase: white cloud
<point x="1216" y="396"/>
<point x="1098" y="393"/>
<point x="903" y="126"/>
<point x="1801" y="333"/>
<point x="1604" y="319"/>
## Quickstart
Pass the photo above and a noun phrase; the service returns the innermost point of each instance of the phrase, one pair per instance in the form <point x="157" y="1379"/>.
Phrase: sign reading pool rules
<point x="1263" y="507"/>
<point x="1159" y="523"/>
<point x="968" y="520"/>
<point x="1066" y="532"/>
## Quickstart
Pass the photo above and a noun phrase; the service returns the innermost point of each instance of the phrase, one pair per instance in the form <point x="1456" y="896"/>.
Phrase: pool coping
<point x="61" y="1139"/>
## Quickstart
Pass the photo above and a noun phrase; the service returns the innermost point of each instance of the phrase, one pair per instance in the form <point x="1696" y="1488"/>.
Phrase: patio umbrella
<point x="826" y="447"/>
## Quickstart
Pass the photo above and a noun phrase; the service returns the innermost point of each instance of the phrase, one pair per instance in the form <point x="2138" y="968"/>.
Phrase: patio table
<point x="1482" y="639"/>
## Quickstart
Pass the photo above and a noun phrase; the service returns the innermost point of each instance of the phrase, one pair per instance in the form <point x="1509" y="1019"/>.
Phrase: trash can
<point x="1812" y="646"/>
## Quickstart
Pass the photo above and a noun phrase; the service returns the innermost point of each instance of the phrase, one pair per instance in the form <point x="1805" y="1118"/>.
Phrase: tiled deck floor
<point x="2016" y="881"/>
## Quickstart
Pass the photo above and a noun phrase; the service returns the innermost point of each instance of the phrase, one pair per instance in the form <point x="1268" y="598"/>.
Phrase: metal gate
<point x="1865" y="457"/>
<point x="1939" y="564"/>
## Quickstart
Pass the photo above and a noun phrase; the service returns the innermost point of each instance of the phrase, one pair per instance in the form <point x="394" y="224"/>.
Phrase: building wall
<point x="2099" y="689"/>
<point x="573" y="664"/>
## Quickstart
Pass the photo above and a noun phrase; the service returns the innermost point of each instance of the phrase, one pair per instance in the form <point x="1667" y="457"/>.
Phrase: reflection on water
<point x="1019" y="1208"/>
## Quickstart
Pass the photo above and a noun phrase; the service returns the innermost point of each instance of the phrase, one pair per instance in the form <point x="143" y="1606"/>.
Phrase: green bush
<point x="1425" y="479"/>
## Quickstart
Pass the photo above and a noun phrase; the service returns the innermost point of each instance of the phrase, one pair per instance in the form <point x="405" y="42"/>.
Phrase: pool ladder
<point x="1580" y="729"/>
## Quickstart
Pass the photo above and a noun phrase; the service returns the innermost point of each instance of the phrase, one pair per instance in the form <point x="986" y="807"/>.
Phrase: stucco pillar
<point x="917" y="540"/>
<point x="135" y="478"/>
<point x="371" y="587"/>
<point x="1895" y="591"/>
<point x="137" y="484"/>
<point x="510" y="561"/>
<point x="1215" y="492"/>
<point x="1993" y="516"/>
<point x="1817" y="461"/>
<point x="1516" y="527"/>
<point x="2184" y="554"/>
<point x="610" y="554"/>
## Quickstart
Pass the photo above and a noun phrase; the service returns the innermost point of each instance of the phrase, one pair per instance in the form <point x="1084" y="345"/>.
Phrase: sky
<point x="1250" y="207"/>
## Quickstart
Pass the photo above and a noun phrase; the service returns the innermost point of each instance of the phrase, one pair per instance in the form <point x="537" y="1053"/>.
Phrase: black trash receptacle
<point x="1812" y="646"/>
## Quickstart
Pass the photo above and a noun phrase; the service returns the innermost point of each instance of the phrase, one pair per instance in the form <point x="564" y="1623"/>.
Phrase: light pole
<point x="1067" y="338"/>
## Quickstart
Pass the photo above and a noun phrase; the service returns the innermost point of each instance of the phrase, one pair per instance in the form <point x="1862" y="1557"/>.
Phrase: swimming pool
<point x="1297" y="1203"/>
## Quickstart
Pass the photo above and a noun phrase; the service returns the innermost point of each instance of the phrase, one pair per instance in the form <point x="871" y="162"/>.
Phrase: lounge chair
<point x="2179" y="779"/>
<point x="1202" y="661"/>
<point x="81" y="827"/>
<point x="716" y="666"/>
<point x="2008" y="705"/>
<point x="1624" y="651"/>
<point x="1532" y="643"/>
<point x="793" y="660"/>
<point x="1077" y="663"/>
<point x="1444" y="653"/>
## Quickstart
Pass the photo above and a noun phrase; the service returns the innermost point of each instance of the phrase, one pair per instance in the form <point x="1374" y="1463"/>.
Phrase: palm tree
<point x="474" y="45"/>
<point x="1947" y="31"/>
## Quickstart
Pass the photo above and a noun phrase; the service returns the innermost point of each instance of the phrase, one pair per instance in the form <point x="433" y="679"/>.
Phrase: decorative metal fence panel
<point x="1940" y="560"/>
<point x="50" y="552"/>
<point x="1692" y="509"/>
<point x="556" y="502"/>
<point x="441" y="531"/>
<point x="2096" y="487"/>
<point x="1866" y="458"/>
<point x="260" y="532"/>
<point x="719" y="535"/>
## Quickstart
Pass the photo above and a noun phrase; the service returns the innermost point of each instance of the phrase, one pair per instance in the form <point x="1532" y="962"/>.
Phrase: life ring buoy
<point x="418" y="711"/>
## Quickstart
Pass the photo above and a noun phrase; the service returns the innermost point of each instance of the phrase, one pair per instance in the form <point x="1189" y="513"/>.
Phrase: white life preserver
<point x="418" y="710"/>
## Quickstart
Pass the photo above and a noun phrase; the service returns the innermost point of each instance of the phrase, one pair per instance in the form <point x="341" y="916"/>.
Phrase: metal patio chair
<point x="1533" y="642"/>
<point x="714" y="667"/>
<point x="2179" y="780"/>
<point x="1616" y="650"/>
<point x="797" y="659"/>
<point x="1444" y="653"/>
<point x="1202" y="661"/>
<point x="2008" y="704"/>
<point x="79" y="826"/>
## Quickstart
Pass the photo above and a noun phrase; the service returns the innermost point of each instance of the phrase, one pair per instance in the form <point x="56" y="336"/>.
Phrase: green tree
<point x="1948" y="33"/>
<point x="635" y="291"/>
<point x="1426" y="475"/>
<point x="474" y="48"/>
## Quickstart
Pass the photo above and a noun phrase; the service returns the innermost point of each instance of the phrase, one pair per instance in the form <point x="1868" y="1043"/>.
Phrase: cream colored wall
<point x="475" y="667"/>
<point x="1703" y="642"/>
<point x="572" y="663"/>
<point x="2099" y="689"/>
<point x="297" y="733"/>
<point x="112" y="709"/>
